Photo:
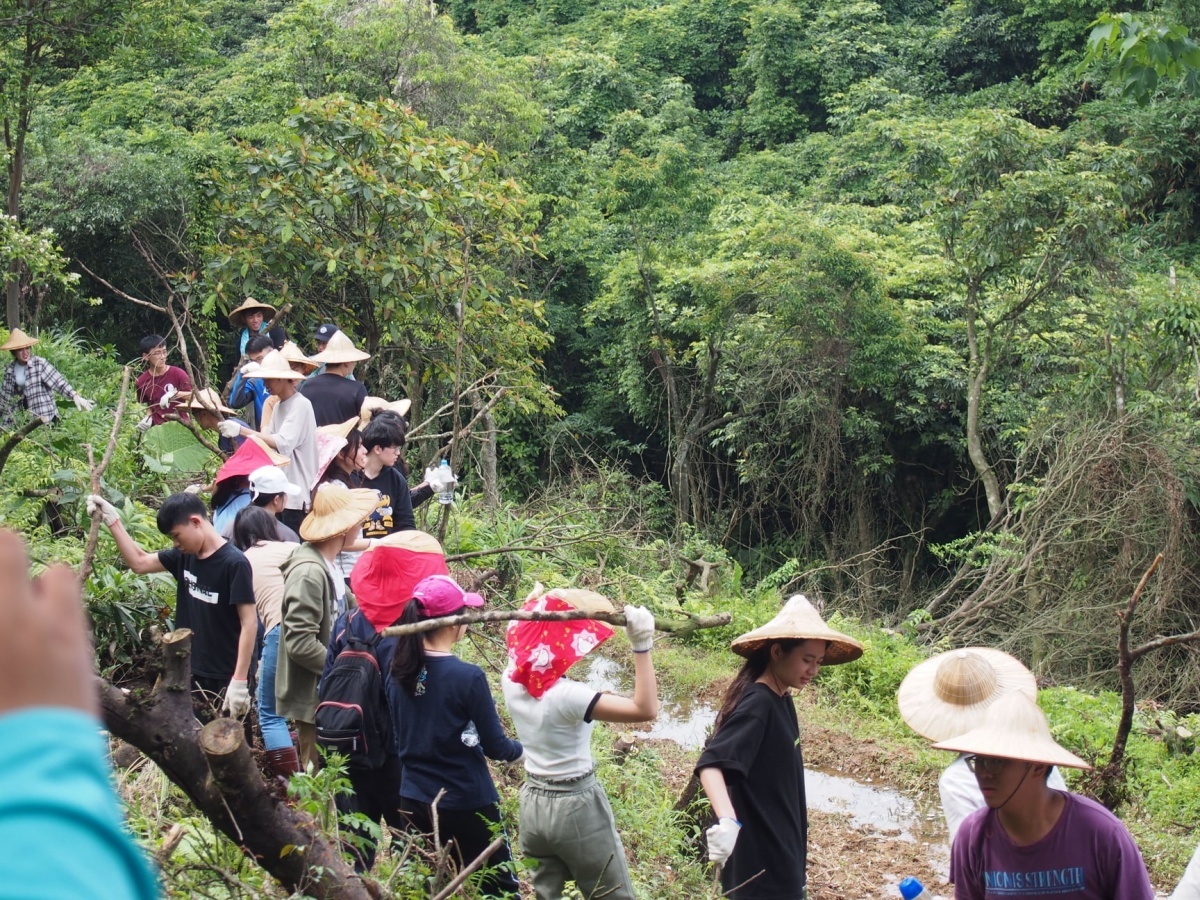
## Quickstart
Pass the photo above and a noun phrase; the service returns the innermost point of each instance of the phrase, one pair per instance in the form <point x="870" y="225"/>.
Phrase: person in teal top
<point x="60" y="822"/>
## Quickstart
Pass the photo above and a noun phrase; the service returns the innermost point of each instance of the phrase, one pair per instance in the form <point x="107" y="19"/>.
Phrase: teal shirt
<point x="61" y="833"/>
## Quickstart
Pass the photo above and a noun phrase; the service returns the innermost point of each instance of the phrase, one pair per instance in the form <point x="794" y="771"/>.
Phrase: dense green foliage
<point x="841" y="279"/>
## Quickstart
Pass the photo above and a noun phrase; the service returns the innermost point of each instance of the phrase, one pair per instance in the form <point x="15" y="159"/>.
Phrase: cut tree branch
<point x="670" y="626"/>
<point x="97" y="473"/>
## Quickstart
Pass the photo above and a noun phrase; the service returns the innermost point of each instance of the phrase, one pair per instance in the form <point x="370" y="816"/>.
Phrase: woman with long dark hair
<point x="753" y="769"/>
<point x="448" y="729"/>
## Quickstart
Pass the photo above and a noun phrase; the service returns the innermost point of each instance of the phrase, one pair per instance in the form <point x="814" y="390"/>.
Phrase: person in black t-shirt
<point x="214" y="595"/>
<point x="753" y="767"/>
<point x="383" y="440"/>
<point x="335" y="396"/>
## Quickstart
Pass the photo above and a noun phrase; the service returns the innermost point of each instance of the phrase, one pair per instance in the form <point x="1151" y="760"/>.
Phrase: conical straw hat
<point x="1015" y="729"/>
<point x="274" y="365"/>
<point x="204" y="398"/>
<point x="335" y="510"/>
<point x="951" y="693"/>
<point x="799" y="620"/>
<point x="18" y="340"/>
<point x="237" y="316"/>
<point x="372" y="405"/>
<point x="584" y="601"/>
<point x="340" y="349"/>
<point x="294" y="354"/>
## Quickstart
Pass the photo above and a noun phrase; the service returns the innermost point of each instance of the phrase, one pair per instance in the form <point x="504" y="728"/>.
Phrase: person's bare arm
<point x="642" y="706"/>
<point x="139" y="560"/>
<point x="248" y="618"/>
<point x="713" y="781"/>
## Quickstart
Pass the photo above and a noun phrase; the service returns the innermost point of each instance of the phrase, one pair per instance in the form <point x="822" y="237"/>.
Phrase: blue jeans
<point x="274" y="728"/>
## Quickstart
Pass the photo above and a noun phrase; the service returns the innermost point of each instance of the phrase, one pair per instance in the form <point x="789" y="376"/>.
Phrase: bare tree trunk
<point x="978" y="373"/>
<point x="487" y="452"/>
<point x="214" y="768"/>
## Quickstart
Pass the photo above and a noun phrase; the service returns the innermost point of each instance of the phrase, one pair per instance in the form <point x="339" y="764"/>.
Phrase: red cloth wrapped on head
<point x="539" y="653"/>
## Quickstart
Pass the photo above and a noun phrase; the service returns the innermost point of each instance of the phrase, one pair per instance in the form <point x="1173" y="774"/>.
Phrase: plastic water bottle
<point x="446" y="495"/>
<point x="912" y="889"/>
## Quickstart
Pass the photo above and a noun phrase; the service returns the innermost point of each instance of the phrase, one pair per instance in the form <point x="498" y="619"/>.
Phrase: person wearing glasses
<point x="1031" y="842"/>
<point x="951" y="693"/>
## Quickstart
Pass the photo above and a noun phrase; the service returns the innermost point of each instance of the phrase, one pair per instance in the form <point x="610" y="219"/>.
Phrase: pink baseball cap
<point x="440" y="595"/>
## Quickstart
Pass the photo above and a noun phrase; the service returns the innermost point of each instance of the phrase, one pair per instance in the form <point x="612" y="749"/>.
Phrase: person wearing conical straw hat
<point x="753" y="768"/>
<point x="566" y="821"/>
<point x="314" y="593"/>
<point x="335" y="396"/>
<point x="951" y="693"/>
<point x="247" y="389"/>
<point x="1031" y="841"/>
<point x="30" y="383"/>
<point x="292" y="431"/>
<point x="253" y="318"/>
<point x="297" y="360"/>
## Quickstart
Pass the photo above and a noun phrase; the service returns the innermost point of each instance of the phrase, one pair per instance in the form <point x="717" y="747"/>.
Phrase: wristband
<point x="647" y="650"/>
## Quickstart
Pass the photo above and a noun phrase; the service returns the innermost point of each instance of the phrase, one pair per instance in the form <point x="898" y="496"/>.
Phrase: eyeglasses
<point x="993" y="765"/>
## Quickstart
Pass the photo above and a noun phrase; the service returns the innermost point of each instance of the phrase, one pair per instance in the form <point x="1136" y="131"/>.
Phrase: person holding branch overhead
<point x="566" y="823"/>
<point x="753" y="769"/>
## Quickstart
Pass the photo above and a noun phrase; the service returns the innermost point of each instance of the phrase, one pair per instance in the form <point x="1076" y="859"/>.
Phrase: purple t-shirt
<point x="1088" y="855"/>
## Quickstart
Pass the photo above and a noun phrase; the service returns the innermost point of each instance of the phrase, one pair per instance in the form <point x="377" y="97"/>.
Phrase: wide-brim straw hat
<point x="953" y="692"/>
<point x="251" y="305"/>
<point x="294" y="354"/>
<point x="799" y="620"/>
<point x="372" y="405"/>
<point x="582" y="600"/>
<point x="274" y="365"/>
<point x="1015" y="729"/>
<point x="340" y="349"/>
<point x="204" y="398"/>
<point x="18" y="340"/>
<point x="336" y="510"/>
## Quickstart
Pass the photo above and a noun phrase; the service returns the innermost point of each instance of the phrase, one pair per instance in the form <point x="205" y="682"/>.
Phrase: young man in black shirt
<point x="214" y="594"/>
<point x="335" y="396"/>
<point x="383" y="440"/>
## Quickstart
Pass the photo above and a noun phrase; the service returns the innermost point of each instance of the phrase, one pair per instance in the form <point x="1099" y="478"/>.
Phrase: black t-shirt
<point x="334" y="399"/>
<point x="207" y="594"/>
<point x="758" y="750"/>
<point x="394" y="512"/>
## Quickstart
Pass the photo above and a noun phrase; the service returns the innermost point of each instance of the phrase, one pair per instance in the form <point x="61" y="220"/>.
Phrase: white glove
<point x="83" y="403"/>
<point x="193" y="489"/>
<point x="639" y="626"/>
<point x="229" y="428"/>
<point x="249" y="369"/>
<point x="167" y="397"/>
<point x="145" y="424"/>
<point x="108" y="512"/>
<point x="440" y="478"/>
<point x="237" y="698"/>
<point x="721" y="838"/>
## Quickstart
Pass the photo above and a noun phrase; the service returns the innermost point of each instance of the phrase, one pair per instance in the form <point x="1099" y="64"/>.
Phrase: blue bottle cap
<point x="910" y="888"/>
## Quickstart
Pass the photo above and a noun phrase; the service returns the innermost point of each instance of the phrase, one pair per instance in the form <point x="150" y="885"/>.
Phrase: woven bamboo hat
<point x="799" y="620"/>
<point x="340" y="349"/>
<point x="294" y="354"/>
<point x="584" y="601"/>
<point x="372" y="405"/>
<point x="204" y="398"/>
<point x="274" y="365"/>
<point x="1015" y="729"/>
<point x="336" y="510"/>
<point x="236" y="316"/>
<point x="18" y="340"/>
<point x="953" y="692"/>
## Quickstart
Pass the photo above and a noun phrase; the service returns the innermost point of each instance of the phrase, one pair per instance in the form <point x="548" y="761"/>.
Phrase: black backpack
<point x="352" y="712"/>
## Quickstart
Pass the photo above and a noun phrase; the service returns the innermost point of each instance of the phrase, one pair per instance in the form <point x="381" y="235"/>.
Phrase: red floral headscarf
<point x="539" y="653"/>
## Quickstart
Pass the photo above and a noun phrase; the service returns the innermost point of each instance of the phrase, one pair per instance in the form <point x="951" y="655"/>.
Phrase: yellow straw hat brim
<point x="951" y="693"/>
<point x="250" y="305"/>
<point x="294" y="354"/>
<point x="204" y="398"/>
<point x="1015" y="729"/>
<point x="336" y="510"/>
<point x="274" y="365"/>
<point x="18" y="340"/>
<point x="799" y="620"/>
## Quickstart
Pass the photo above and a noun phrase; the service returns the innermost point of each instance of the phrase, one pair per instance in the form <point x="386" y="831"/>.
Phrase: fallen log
<point x="670" y="626"/>
<point x="214" y="768"/>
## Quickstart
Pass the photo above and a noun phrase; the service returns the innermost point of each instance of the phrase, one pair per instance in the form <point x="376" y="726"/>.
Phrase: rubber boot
<point x="284" y="763"/>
